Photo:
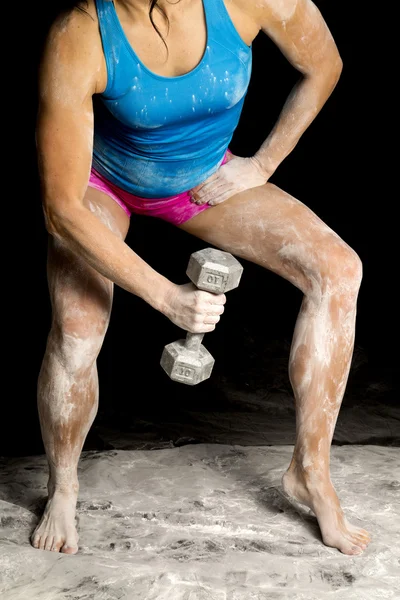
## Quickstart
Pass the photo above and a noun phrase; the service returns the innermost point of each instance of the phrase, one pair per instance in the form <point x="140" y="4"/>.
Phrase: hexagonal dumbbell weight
<point x="188" y="361"/>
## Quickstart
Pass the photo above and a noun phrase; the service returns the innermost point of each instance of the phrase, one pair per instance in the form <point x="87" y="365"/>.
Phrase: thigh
<point x="81" y="297"/>
<point x="269" y="227"/>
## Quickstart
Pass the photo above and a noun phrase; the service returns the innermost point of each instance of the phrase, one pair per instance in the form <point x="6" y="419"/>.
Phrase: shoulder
<point x="75" y="26"/>
<point x="263" y="10"/>
<point x="73" y="42"/>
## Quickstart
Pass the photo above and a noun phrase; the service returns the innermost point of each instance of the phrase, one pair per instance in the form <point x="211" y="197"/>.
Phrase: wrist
<point x="266" y="170"/>
<point x="161" y="299"/>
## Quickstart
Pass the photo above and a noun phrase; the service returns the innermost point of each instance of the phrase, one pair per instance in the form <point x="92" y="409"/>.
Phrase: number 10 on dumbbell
<point x="212" y="270"/>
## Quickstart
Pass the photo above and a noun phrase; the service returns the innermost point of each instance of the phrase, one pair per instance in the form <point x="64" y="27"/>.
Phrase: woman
<point x="137" y="107"/>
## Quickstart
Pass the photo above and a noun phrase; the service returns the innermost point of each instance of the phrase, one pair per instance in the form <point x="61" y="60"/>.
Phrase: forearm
<point x="301" y="107"/>
<point x="85" y="235"/>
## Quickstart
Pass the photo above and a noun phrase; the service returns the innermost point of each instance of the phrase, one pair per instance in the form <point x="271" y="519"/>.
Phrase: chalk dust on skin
<point x="266" y="226"/>
<point x="271" y="228"/>
<point x="68" y="382"/>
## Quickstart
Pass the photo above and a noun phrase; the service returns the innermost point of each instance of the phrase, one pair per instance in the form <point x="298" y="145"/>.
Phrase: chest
<point x="206" y="72"/>
<point x="216" y="85"/>
<point x="185" y="36"/>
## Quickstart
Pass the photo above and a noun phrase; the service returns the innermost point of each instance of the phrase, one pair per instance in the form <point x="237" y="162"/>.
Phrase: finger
<point x="218" y="299"/>
<point x="217" y="194"/>
<point x="207" y="192"/>
<point x="211" y="319"/>
<point x="198" y="187"/>
<point x="213" y="310"/>
<point x="216" y="310"/>
<point x="210" y="298"/>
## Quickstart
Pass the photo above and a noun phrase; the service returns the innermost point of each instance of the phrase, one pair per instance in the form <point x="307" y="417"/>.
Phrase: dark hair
<point x="79" y="5"/>
<point x="153" y="5"/>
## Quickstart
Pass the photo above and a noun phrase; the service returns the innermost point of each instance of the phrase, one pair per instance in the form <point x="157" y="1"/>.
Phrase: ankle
<point x="62" y="487"/>
<point x="313" y="477"/>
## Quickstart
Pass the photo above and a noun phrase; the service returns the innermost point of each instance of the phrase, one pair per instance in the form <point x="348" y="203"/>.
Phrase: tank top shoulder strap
<point x="220" y="26"/>
<point x="113" y="43"/>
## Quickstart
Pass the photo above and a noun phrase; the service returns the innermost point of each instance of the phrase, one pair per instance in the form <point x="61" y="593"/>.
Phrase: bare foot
<point x="56" y="530"/>
<point x="323" y="501"/>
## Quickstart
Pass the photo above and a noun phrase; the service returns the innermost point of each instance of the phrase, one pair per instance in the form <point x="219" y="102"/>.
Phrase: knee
<point x="77" y="337"/>
<point x="342" y="272"/>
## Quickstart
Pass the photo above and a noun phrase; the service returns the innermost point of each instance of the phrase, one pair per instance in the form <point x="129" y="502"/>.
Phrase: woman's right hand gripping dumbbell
<point x="194" y="310"/>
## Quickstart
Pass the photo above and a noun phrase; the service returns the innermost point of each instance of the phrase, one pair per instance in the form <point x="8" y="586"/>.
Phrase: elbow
<point x="337" y="67"/>
<point x="328" y="73"/>
<point x="335" y="73"/>
<point x="329" y="66"/>
<point x="51" y="221"/>
<point x="56" y="221"/>
<point x="333" y="65"/>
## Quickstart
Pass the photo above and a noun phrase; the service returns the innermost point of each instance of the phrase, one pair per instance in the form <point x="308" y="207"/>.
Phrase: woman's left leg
<point x="269" y="227"/>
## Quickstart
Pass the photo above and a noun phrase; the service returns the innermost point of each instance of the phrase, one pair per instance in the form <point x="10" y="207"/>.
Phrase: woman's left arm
<point x="300" y="32"/>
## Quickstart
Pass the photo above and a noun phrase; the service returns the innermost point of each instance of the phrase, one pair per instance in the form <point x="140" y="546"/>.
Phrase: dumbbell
<point x="188" y="361"/>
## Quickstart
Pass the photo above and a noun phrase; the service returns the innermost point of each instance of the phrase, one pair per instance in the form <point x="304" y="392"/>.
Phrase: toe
<point x="350" y="548"/>
<point x="357" y="530"/>
<point x="361" y="534"/>
<point x="357" y="534"/>
<point x="355" y="550"/>
<point x="69" y="549"/>
<point x="364" y="535"/>
<point x="346" y="546"/>
<point x="360" y="539"/>
<point x="57" y="544"/>
<point x="49" y="542"/>
<point x="42" y="542"/>
<point x="35" y="539"/>
<point x="352" y="540"/>
<point x="357" y="539"/>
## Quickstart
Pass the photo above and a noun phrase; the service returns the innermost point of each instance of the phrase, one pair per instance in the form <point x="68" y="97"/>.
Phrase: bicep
<point x="64" y="127"/>
<point x="64" y="146"/>
<point x="299" y="30"/>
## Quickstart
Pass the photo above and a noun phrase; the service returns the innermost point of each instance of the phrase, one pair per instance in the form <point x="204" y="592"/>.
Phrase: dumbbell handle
<point x="213" y="271"/>
<point x="193" y="341"/>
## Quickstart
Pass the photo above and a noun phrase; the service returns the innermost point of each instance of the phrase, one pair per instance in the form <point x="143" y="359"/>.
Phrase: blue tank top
<point x="157" y="136"/>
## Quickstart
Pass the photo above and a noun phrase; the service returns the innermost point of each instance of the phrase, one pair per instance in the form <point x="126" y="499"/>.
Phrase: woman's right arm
<point x="71" y="71"/>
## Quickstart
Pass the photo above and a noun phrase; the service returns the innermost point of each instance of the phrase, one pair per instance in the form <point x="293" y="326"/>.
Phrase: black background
<point x="325" y="171"/>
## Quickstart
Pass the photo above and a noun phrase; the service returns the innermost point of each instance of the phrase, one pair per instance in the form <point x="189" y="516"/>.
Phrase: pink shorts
<point x="174" y="209"/>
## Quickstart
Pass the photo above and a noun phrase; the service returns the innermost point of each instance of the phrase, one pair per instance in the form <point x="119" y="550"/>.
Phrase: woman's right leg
<point x="81" y="301"/>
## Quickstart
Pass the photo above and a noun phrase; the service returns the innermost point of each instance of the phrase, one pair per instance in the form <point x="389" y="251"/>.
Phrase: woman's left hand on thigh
<point x="236" y="175"/>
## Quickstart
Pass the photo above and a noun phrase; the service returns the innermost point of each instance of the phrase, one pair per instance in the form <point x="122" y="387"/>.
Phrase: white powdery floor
<point x="201" y="522"/>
